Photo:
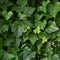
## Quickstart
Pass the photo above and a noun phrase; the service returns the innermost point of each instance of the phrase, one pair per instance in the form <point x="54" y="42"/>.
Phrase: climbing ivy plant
<point x="29" y="30"/>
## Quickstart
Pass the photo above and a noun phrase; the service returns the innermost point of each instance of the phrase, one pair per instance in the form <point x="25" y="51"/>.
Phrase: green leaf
<point x="5" y="28"/>
<point x="43" y="25"/>
<point x="43" y="7"/>
<point x="38" y="16"/>
<point x="20" y="31"/>
<point x="57" y="39"/>
<point x="37" y="30"/>
<point x="56" y="9"/>
<point x="1" y="53"/>
<point x="33" y="38"/>
<point x="28" y="55"/>
<point x="21" y="16"/>
<point x="14" y="28"/>
<point x="52" y="27"/>
<point x="8" y="56"/>
<point x="22" y="3"/>
<point x="44" y="39"/>
<point x="44" y="59"/>
<point x="53" y="9"/>
<point x="28" y="11"/>
<point x="26" y="28"/>
<point x="16" y="58"/>
<point x="7" y="15"/>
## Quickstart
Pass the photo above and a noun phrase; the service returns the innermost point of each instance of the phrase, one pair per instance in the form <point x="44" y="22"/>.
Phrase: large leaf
<point x="6" y="56"/>
<point x="43" y="7"/>
<point x="53" y="9"/>
<point x="28" y="55"/>
<point x="28" y="11"/>
<point x="22" y="3"/>
<point x="52" y="27"/>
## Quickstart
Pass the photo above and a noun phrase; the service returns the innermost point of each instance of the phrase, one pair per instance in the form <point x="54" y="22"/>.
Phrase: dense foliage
<point x="29" y="30"/>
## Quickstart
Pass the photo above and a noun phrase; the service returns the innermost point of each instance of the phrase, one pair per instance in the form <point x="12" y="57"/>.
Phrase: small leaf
<point x="9" y="15"/>
<point x="43" y="24"/>
<point x="5" y="28"/>
<point x="26" y="28"/>
<point x="38" y="17"/>
<point x="21" y="16"/>
<point x="44" y="39"/>
<point x="37" y="30"/>
<point x="20" y="31"/>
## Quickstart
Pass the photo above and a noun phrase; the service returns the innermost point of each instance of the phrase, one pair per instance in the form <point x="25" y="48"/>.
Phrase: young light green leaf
<point x="7" y="15"/>
<point x="37" y="30"/>
<point x="21" y="16"/>
<point x="44" y="39"/>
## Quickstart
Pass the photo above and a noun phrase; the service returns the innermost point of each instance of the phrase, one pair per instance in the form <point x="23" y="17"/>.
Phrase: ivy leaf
<point x="8" y="56"/>
<point x="22" y="3"/>
<point x="52" y="27"/>
<point x="53" y="9"/>
<point x="37" y="30"/>
<point x="28" y="55"/>
<point x="14" y="28"/>
<point x="43" y="7"/>
<point x="56" y="9"/>
<point x="38" y="16"/>
<point x="33" y="38"/>
<point x="44" y="39"/>
<point x="5" y="28"/>
<point x="43" y="24"/>
<point x="57" y="39"/>
<point x="28" y="11"/>
<point x="26" y="28"/>
<point x="7" y="15"/>
<point x="21" y="16"/>
<point x="20" y="31"/>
